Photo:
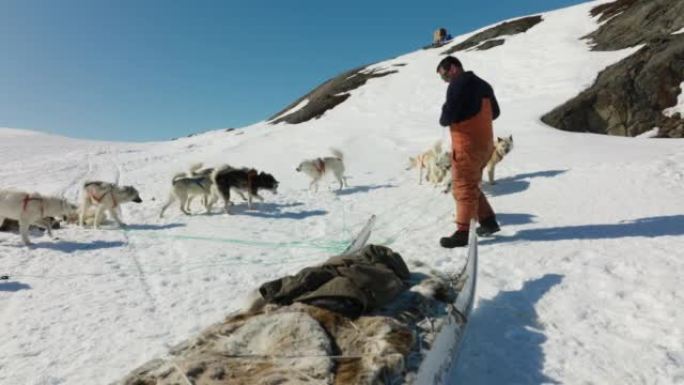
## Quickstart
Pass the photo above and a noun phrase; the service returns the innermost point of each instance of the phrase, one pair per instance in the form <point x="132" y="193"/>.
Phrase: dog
<point x="32" y="209"/>
<point x="195" y="170"/>
<point x="105" y="196"/>
<point x="501" y="148"/>
<point x="441" y="169"/>
<point x="319" y="167"/>
<point x="245" y="180"/>
<point x="184" y="188"/>
<point x="426" y="161"/>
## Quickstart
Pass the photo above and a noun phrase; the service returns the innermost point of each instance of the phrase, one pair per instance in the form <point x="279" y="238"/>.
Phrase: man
<point x="469" y="110"/>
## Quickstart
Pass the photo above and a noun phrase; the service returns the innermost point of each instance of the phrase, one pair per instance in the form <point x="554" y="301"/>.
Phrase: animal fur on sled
<point x="305" y="345"/>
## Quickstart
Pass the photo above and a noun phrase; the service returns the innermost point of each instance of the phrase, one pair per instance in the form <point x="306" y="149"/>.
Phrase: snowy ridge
<point x="581" y="286"/>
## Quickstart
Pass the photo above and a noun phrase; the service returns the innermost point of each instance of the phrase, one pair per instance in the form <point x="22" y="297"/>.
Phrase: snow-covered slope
<point x="581" y="286"/>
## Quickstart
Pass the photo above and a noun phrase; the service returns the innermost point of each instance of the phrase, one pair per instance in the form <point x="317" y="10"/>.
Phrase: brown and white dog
<point x="426" y="161"/>
<point x="501" y="148"/>
<point x="317" y="168"/>
<point x="32" y="209"/>
<point x="105" y="196"/>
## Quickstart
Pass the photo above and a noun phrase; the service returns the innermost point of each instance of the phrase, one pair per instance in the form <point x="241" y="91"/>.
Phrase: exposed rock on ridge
<point x="513" y="27"/>
<point x="628" y="98"/>
<point x="327" y="96"/>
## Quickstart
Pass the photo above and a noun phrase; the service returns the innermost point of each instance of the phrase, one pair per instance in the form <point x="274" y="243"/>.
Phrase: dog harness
<point x="98" y="200"/>
<point x="320" y="165"/>
<point x="29" y="198"/>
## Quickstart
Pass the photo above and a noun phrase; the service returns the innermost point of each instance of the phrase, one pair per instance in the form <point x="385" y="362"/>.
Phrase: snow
<point x="678" y="32"/>
<point x="679" y="107"/>
<point x="581" y="286"/>
<point x="652" y="133"/>
<point x="296" y="108"/>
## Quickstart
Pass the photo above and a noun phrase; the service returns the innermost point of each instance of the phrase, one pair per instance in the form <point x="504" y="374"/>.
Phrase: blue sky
<point x="140" y="70"/>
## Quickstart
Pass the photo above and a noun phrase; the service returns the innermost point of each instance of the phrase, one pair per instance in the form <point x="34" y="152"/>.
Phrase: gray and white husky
<point x="32" y="209"/>
<point x="319" y="167"/>
<point x="105" y="196"/>
<point x="184" y="188"/>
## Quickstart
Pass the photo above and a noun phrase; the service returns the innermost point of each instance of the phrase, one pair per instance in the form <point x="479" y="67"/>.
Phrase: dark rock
<point x="11" y="225"/>
<point x="196" y="371"/>
<point x="218" y="374"/>
<point x="631" y="22"/>
<point x="628" y="97"/>
<point x="608" y="10"/>
<point x="504" y="29"/>
<point x="490" y="44"/>
<point x="328" y="95"/>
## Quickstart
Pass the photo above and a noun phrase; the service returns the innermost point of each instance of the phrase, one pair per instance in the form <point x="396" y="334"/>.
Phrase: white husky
<point x="317" y="168"/>
<point x="32" y="209"/>
<point x="105" y="196"/>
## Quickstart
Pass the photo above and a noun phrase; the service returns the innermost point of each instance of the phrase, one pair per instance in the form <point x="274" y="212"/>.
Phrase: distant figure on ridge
<point x="440" y="36"/>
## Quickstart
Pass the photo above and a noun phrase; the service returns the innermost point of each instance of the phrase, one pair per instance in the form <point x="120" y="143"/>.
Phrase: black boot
<point x="457" y="239"/>
<point x="488" y="226"/>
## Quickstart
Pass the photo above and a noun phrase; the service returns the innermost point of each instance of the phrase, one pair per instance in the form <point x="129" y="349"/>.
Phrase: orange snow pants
<point x="472" y="146"/>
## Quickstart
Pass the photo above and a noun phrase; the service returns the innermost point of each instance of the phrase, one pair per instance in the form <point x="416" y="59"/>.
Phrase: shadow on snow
<point x="503" y="344"/>
<point x="13" y="286"/>
<point x="672" y="225"/>
<point x="517" y="183"/>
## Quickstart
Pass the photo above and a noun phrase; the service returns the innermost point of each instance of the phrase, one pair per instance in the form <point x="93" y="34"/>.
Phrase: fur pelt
<point x="297" y="344"/>
<point x="302" y="344"/>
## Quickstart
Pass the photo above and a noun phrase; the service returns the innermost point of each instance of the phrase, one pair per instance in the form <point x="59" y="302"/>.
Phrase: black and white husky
<point x="319" y="167"/>
<point x="105" y="196"/>
<point x="249" y="181"/>
<point x="32" y="209"/>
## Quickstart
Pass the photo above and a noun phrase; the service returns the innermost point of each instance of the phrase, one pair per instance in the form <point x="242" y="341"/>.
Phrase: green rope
<point x="334" y="246"/>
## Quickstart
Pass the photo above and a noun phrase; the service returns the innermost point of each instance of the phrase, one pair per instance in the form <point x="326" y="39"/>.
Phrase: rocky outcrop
<point x="490" y="44"/>
<point x="627" y="23"/>
<point x="504" y="29"/>
<point x="327" y="96"/>
<point x="628" y="98"/>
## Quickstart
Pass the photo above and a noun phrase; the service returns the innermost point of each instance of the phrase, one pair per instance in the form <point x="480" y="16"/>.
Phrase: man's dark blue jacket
<point x="464" y="99"/>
